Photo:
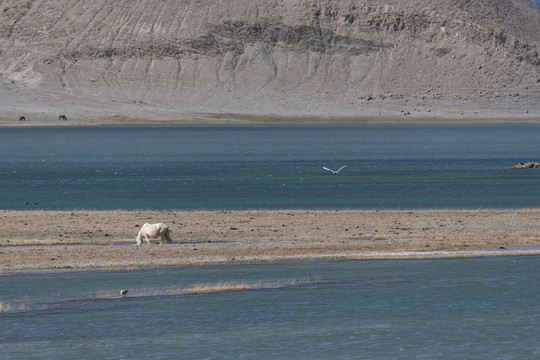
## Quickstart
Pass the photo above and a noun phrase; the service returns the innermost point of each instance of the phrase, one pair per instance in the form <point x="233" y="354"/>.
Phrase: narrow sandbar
<point x="106" y="239"/>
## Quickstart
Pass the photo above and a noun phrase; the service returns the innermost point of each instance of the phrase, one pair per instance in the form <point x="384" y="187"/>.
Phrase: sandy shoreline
<point x="239" y="119"/>
<point x="106" y="239"/>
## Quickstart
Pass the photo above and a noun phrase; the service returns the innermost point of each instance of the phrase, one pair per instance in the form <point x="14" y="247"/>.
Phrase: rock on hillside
<point x="170" y="58"/>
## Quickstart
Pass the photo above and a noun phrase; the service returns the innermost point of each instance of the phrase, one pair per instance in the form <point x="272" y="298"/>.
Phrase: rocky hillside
<point x="175" y="58"/>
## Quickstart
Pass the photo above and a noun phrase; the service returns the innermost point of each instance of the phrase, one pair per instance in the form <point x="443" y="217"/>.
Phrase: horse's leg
<point x="147" y="238"/>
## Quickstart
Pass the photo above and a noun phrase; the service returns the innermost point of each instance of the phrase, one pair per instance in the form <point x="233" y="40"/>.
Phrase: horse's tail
<point x="167" y="234"/>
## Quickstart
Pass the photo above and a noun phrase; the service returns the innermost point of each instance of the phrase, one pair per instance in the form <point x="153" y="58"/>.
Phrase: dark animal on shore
<point x="22" y="118"/>
<point x="62" y="117"/>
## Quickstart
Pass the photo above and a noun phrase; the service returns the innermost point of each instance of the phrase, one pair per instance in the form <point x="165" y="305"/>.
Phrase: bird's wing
<point x="341" y="168"/>
<point x="325" y="168"/>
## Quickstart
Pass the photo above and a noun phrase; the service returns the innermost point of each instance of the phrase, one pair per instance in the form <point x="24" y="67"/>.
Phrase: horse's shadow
<point x="121" y="243"/>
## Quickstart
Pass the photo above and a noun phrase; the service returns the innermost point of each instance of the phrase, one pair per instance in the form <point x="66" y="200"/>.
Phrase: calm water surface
<point x="268" y="167"/>
<point x="484" y="308"/>
<point x="432" y="309"/>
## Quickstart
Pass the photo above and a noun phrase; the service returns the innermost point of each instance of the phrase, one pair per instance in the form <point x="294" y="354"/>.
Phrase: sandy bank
<point x="98" y="239"/>
<point x="239" y="119"/>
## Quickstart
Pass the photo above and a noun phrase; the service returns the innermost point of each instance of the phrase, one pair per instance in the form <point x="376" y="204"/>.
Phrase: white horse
<point x="154" y="231"/>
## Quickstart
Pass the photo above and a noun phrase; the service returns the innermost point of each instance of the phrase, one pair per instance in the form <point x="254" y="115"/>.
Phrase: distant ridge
<point x="164" y="59"/>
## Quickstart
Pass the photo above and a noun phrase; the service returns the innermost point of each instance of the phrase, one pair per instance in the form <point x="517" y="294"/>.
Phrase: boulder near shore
<point x="529" y="165"/>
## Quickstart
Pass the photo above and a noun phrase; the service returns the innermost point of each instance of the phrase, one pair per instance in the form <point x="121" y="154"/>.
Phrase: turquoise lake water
<point x="186" y="167"/>
<point x="480" y="308"/>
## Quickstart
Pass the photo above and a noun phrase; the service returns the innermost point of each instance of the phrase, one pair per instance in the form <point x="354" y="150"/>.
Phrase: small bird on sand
<point x="335" y="172"/>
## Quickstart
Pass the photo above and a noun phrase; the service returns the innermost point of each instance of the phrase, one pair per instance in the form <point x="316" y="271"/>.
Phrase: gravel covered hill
<point x="163" y="59"/>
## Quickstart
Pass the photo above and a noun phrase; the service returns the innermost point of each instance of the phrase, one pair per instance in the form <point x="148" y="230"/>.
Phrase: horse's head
<point x="139" y="237"/>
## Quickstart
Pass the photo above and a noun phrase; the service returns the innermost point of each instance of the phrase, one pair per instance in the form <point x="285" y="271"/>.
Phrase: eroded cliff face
<point x="285" y="57"/>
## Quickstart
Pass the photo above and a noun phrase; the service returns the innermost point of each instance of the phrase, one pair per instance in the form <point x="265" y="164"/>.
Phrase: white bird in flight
<point x="335" y="172"/>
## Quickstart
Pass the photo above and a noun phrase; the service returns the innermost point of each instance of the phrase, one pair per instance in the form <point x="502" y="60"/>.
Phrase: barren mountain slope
<point x="172" y="58"/>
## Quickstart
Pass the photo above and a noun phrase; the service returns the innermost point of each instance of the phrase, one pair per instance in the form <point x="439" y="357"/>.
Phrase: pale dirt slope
<point x="171" y="59"/>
